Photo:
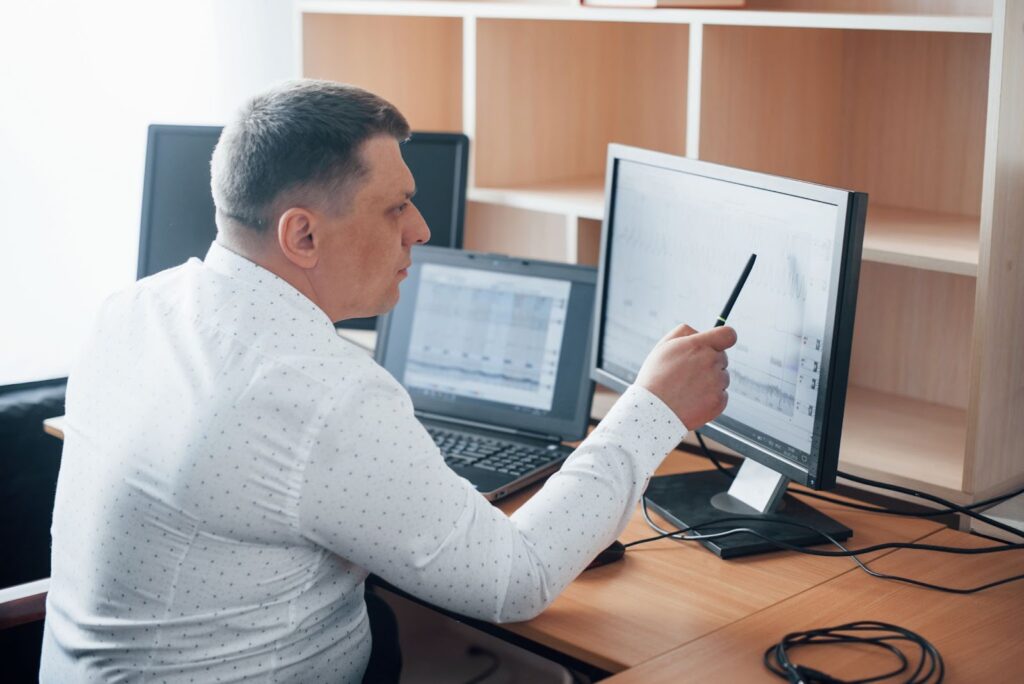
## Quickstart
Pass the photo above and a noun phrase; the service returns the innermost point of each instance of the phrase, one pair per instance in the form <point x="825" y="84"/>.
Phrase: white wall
<point x="79" y="84"/>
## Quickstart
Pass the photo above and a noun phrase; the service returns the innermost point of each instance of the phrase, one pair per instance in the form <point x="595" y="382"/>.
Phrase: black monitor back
<point x="177" y="205"/>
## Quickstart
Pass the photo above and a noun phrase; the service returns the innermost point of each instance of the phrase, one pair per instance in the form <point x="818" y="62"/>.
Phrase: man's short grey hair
<point x="298" y="142"/>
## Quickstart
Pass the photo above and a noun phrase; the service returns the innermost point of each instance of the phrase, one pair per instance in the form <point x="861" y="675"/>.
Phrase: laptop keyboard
<point x="462" y="449"/>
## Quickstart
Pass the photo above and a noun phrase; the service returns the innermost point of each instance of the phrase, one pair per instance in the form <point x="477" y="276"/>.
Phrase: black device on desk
<point x="178" y="216"/>
<point x="676" y="233"/>
<point x="494" y="351"/>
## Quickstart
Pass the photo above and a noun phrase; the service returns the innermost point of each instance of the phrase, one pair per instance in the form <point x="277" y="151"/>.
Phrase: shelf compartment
<point x="934" y="241"/>
<point x="912" y="333"/>
<point x="579" y="197"/>
<point x="413" y="62"/>
<point x="965" y="8"/>
<point x="959" y="16"/>
<point x="887" y="437"/>
<point x="551" y="95"/>
<point x="900" y="116"/>
<point x="518" y="232"/>
<point x="921" y="239"/>
<point x="904" y="441"/>
<point x="588" y="241"/>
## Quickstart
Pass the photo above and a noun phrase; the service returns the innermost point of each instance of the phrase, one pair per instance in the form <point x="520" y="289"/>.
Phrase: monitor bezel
<point x="849" y="227"/>
<point x="153" y="135"/>
<point x="569" y="429"/>
<point x="461" y="143"/>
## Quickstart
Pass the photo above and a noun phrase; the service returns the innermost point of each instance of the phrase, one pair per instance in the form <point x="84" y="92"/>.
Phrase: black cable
<point x="491" y="668"/>
<point x="929" y="661"/>
<point x="948" y="506"/>
<point x="935" y="499"/>
<point x="680" y="534"/>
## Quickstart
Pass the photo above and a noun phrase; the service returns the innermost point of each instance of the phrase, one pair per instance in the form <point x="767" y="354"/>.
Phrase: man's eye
<point x="400" y="209"/>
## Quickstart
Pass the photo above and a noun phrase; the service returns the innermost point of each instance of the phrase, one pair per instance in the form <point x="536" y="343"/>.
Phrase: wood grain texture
<point x="588" y="241"/>
<point x="913" y="118"/>
<point x="413" y="62"/>
<point x="912" y="333"/>
<point x="54" y="427"/>
<point x="23" y="610"/>
<point x="978" y="635"/>
<point x="516" y="232"/>
<point x="947" y="243"/>
<point x="771" y="101"/>
<point x="898" y="115"/>
<point x="575" y="196"/>
<point x="948" y="7"/>
<point x="996" y="431"/>
<point x="551" y="95"/>
<point x="904" y="441"/>
<point x="665" y="594"/>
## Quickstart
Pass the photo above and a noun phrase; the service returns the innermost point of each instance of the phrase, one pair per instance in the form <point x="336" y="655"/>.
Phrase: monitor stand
<point x="690" y="499"/>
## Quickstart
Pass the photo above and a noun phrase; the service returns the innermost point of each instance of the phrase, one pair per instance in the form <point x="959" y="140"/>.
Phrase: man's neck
<point x="271" y="259"/>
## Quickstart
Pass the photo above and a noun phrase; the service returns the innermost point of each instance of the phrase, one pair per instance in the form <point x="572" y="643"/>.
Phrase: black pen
<point x="735" y="292"/>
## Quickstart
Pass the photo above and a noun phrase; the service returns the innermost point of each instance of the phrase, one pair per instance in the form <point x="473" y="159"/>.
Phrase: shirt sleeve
<point x="377" y="492"/>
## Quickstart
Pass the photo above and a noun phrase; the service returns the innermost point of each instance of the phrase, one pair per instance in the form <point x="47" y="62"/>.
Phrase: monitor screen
<point x="438" y="162"/>
<point x="494" y="339"/>
<point x="677" y="235"/>
<point x="177" y="206"/>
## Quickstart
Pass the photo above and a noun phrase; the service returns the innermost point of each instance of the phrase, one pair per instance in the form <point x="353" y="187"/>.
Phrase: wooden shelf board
<point x="583" y="197"/>
<point x="904" y="237"/>
<point x="54" y="426"/>
<point x="922" y="239"/>
<point x="904" y="441"/>
<point x="573" y="12"/>
<point x="889" y="438"/>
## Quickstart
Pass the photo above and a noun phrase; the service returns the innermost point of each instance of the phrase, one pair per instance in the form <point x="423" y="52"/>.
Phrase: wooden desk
<point x="978" y="635"/>
<point x="54" y="426"/>
<point x="666" y="594"/>
<point x="670" y="610"/>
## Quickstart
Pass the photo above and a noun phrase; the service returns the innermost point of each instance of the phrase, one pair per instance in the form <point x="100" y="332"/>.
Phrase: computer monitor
<point x="676" y="235"/>
<point x="177" y="205"/>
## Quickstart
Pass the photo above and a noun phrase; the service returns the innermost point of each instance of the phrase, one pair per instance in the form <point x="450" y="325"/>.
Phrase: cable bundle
<point x="929" y="668"/>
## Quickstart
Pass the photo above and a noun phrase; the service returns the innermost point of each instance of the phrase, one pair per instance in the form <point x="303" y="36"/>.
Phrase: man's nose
<point x="421" y="231"/>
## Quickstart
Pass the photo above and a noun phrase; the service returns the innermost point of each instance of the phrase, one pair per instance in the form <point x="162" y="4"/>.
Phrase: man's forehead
<point x="388" y="176"/>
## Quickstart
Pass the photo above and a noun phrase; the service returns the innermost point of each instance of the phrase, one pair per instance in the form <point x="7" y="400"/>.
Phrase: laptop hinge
<point x="488" y="426"/>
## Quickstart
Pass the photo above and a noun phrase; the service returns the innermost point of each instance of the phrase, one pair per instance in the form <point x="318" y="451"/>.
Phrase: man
<point x="233" y="469"/>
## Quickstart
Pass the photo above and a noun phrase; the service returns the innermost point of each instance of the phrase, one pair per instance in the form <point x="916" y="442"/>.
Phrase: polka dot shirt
<point x="233" y="469"/>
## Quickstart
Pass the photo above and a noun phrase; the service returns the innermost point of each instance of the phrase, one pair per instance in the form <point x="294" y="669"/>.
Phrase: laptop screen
<point x="493" y="340"/>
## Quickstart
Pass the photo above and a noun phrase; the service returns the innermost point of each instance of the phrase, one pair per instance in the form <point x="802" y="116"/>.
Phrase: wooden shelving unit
<point x="918" y="102"/>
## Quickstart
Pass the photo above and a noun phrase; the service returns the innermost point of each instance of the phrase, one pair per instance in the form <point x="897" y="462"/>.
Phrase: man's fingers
<point x="681" y="330"/>
<point x="718" y="339"/>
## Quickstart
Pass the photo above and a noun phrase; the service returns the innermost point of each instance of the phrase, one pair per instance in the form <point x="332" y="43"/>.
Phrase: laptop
<point x="493" y="351"/>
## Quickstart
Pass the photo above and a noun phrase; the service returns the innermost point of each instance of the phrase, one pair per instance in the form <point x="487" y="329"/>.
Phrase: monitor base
<point x="686" y="500"/>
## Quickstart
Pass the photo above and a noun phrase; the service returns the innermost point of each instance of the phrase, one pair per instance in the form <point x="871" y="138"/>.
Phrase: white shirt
<point x="233" y="469"/>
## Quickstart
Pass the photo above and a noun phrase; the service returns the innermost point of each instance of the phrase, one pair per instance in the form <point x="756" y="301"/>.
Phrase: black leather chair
<point x="29" y="461"/>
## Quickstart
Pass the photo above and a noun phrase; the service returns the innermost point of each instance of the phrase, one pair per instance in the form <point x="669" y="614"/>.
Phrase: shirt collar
<point x="265" y="283"/>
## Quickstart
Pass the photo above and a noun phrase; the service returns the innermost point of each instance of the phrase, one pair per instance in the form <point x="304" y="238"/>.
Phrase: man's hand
<point x="687" y="371"/>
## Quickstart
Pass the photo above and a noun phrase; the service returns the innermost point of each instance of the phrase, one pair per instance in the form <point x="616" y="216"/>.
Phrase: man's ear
<point x="297" y="237"/>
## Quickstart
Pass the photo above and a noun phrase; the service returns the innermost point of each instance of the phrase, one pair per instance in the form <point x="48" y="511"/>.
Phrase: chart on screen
<point x="487" y="335"/>
<point x="681" y="243"/>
